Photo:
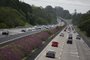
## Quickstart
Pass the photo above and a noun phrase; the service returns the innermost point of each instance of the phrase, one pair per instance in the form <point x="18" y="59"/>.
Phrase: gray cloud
<point x="81" y="5"/>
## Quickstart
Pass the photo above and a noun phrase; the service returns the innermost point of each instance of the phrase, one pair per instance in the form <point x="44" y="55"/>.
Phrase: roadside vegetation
<point x="83" y="22"/>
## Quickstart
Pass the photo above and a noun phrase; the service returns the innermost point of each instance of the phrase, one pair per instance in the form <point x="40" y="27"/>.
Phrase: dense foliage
<point x="83" y="22"/>
<point x="19" y="13"/>
<point x="10" y="18"/>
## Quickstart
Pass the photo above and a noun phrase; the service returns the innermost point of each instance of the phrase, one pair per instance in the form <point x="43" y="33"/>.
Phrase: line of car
<point x="70" y="37"/>
<point x="51" y="53"/>
<point x="43" y="27"/>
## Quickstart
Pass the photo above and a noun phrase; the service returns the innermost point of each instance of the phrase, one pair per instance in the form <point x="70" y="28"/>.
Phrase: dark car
<point x="5" y="33"/>
<point x="54" y="44"/>
<point x="50" y="54"/>
<point x="69" y="41"/>
<point x="70" y="38"/>
<point x="78" y="37"/>
<point x="65" y="30"/>
<point x="23" y="30"/>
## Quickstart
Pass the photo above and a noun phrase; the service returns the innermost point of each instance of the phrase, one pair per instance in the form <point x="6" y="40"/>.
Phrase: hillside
<point x="19" y="13"/>
<point x="10" y="18"/>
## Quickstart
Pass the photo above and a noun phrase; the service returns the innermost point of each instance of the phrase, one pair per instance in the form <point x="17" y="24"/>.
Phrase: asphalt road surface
<point x="16" y="33"/>
<point x="11" y="32"/>
<point x="11" y="37"/>
<point x="78" y="50"/>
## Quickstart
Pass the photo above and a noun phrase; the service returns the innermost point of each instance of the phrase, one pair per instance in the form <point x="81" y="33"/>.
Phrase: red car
<point x="55" y="44"/>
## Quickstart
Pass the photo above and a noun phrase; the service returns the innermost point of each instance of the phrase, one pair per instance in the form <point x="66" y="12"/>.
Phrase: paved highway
<point x="16" y="33"/>
<point x="11" y="32"/>
<point x="12" y="36"/>
<point x="78" y="50"/>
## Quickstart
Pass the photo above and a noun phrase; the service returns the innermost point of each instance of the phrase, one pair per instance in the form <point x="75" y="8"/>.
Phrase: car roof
<point x="70" y="34"/>
<point x="78" y="35"/>
<point x="51" y="52"/>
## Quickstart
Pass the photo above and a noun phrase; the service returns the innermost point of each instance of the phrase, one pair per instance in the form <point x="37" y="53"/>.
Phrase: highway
<point x="15" y="35"/>
<point x="11" y="32"/>
<point x="78" y="50"/>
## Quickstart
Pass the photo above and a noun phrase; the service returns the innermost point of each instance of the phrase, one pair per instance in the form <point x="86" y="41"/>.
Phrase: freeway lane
<point x="70" y="51"/>
<point x="8" y="38"/>
<point x="78" y="50"/>
<point x="11" y="31"/>
<point x="16" y="33"/>
<point x="61" y="40"/>
<point x="83" y="49"/>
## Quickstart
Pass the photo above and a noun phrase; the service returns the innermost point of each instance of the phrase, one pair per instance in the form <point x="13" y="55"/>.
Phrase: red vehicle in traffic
<point x="55" y="44"/>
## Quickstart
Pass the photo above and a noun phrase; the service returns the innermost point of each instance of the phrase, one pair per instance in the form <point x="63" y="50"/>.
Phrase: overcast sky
<point x="81" y="5"/>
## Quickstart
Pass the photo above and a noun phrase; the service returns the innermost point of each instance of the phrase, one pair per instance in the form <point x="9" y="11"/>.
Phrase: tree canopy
<point x="19" y="13"/>
<point x="82" y="21"/>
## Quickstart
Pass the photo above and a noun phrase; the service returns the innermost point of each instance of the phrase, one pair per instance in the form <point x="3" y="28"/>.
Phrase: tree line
<point x="14" y="13"/>
<point x="82" y="21"/>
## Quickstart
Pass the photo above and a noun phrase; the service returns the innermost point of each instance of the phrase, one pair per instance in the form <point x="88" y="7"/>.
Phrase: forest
<point x="82" y="21"/>
<point x="14" y="13"/>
